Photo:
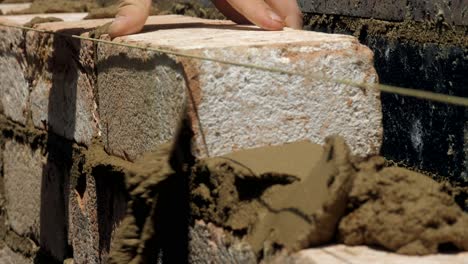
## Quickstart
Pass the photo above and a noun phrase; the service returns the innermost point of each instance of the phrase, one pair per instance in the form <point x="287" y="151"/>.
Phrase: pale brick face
<point x="14" y="87"/>
<point x="270" y="108"/>
<point x="239" y="108"/>
<point x="23" y="175"/>
<point x="139" y="105"/>
<point x="34" y="197"/>
<point x="62" y="98"/>
<point x="8" y="256"/>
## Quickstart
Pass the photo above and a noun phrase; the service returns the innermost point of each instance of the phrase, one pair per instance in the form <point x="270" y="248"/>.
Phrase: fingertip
<point x="259" y="13"/>
<point x="130" y="19"/>
<point x="294" y="21"/>
<point x="116" y="29"/>
<point x="126" y="25"/>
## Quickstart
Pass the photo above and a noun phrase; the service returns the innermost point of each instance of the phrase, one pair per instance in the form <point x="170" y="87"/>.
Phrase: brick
<point x="23" y="175"/>
<point x="451" y="11"/>
<point x="62" y="97"/>
<point x="34" y="197"/>
<point x="55" y="102"/>
<point x="96" y="206"/>
<point x="14" y="85"/>
<point x="84" y="233"/>
<point x="8" y="256"/>
<point x="141" y="94"/>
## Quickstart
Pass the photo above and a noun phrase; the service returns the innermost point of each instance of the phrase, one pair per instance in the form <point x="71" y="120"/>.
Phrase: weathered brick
<point x="450" y="11"/>
<point x="141" y="94"/>
<point x="14" y="86"/>
<point x="34" y="197"/>
<point x="23" y="176"/>
<point x="8" y="256"/>
<point x="62" y="96"/>
<point x="54" y="69"/>
<point x="96" y="206"/>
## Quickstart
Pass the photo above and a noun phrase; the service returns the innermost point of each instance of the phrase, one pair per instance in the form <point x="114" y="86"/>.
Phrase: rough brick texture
<point x="23" y="174"/>
<point x="234" y="107"/>
<point x="8" y="256"/>
<point x="34" y="199"/>
<point x="62" y="76"/>
<point x="14" y="86"/>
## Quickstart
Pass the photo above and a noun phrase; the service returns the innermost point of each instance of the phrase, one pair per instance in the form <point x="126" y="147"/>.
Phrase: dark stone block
<point x="439" y="11"/>
<point x="381" y="9"/>
<point x="450" y="11"/>
<point x="422" y="134"/>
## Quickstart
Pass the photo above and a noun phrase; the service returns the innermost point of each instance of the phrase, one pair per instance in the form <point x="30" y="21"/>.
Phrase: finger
<point x="259" y="13"/>
<point x="289" y="10"/>
<point x="130" y="18"/>
<point x="224" y="7"/>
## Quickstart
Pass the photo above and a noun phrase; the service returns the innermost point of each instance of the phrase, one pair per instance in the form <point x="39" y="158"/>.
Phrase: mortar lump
<point x="341" y="197"/>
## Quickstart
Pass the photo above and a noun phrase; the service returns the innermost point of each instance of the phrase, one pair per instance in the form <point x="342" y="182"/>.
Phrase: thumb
<point x="130" y="18"/>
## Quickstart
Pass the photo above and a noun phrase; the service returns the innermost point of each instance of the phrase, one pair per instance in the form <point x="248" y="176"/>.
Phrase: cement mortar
<point x="372" y="206"/>
<point x="402" y="211"/>
<point x="420" y="32"/>
<point x="153" y="183"/>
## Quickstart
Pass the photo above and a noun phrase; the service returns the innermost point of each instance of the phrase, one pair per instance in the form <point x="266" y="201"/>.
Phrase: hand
<point x="267" y="14"/>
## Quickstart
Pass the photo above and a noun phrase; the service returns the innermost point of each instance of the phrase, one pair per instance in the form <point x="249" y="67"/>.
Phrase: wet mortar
<point x="340" y="199"/>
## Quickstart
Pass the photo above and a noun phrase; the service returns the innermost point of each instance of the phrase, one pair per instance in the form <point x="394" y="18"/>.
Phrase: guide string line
<point x="416" y="93"/>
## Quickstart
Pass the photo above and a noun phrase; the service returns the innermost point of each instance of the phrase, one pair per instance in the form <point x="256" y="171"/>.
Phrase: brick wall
<point x="65" y="100"/>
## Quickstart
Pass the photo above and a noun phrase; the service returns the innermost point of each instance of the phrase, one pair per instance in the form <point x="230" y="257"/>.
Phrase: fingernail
<point x="275" y="17"/>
